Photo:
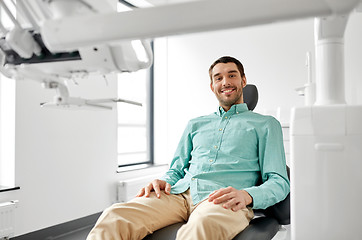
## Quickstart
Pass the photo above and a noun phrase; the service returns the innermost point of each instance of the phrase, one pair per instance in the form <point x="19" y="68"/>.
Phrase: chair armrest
<point x="280" y="211"/>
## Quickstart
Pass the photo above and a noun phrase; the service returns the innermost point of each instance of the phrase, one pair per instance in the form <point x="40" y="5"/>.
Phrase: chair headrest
<point x="250" y="95"/>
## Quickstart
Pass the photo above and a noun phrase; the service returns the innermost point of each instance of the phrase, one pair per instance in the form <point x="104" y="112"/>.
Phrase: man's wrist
<point x="250" y="201"/>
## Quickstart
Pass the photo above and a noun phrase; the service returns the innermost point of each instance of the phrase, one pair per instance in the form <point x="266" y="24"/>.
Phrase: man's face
<point x="227" y="84"/>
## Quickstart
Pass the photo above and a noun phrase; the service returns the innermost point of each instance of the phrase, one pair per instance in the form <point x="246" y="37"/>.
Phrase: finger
<point x="224" y="198"/>
<point x="237" y="207"/>
<point x="216" y="194"/>
<point x="230" y="203"/>
<point x="219" y="193"/>
<point x="156" y="187"/>
<point x="168" y="188"/>
<point x="141" y="192"/>
<point x="148" y="190"/>
<point x="211" y="195"/>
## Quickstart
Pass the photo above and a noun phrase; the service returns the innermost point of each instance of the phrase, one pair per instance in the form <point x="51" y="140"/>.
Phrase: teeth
<point x="227" y="91"/>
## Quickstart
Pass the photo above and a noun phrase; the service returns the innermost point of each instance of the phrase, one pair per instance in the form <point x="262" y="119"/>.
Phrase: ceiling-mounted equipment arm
<point x="190" y="17"/>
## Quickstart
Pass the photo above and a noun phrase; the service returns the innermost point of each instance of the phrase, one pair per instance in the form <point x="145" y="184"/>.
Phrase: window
<point x="135" y="123"/>
<point x="7" y="131"/>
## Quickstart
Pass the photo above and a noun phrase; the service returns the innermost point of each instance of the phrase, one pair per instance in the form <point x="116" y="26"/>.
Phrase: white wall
<point x="353" y="59"/>
<point x="274" y="58"/>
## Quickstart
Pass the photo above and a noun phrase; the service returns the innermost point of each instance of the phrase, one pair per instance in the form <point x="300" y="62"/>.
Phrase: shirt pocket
<point x="240" y="143"/>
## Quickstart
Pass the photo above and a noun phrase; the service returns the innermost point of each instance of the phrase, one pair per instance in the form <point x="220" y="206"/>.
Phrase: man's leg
<point x="212" y="221"/>
<point x="139" y="217"/>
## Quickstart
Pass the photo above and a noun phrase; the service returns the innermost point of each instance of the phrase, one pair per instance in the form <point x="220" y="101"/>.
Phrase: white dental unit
<point x="326" y="148"/>
<point x="326" y="138"/>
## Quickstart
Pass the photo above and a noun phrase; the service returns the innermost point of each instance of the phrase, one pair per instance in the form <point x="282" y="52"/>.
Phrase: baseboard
<point x="61" y="229"/>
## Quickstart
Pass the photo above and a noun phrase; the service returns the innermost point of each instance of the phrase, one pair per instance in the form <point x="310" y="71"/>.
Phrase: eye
<point x="232" y="75"/>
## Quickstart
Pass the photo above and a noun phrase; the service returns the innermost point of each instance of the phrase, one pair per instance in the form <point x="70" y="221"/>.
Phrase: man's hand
<point x="231" y="198"/>
<point x="156" y="185"/>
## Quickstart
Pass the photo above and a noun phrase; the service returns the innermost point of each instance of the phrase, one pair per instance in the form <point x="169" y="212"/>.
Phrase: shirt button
<point x="237" y="112"/>
<point x="220" y="129"/>
<point x="192" y="179"/>
<point x="215" y="147"/>
<point x="211" y="160"/>
<point x="226" y="117"/>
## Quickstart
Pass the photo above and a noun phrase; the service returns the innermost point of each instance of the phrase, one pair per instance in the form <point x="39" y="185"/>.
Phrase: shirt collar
<point x="235" y="109"/>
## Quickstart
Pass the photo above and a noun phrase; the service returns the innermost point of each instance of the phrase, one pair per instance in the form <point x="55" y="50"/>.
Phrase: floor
<point x="81" y="234"/>
<point x="283" y="234"/>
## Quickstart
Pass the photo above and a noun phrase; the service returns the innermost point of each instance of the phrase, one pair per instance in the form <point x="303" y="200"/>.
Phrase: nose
<point x="225" y="81"/>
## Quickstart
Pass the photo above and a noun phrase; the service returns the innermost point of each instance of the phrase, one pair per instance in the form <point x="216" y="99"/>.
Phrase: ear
<point x="212" y="86"/>
<point x="243" y="81"/>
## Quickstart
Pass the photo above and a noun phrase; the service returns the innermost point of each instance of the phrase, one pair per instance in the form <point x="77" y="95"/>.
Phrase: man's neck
<point x="226" y="108"/>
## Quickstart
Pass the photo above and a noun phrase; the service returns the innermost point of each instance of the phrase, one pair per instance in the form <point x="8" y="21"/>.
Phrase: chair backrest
<point x="251" y="96"/>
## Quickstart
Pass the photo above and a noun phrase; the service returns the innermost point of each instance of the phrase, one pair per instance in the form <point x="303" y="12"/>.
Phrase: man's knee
<point x="214" y="222"/>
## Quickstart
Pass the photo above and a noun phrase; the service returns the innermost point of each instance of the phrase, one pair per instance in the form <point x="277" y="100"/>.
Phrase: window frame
<point x="149" y="122"/>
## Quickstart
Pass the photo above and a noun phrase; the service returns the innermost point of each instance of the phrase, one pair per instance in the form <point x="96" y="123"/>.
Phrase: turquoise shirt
<point x="237" y="148"/>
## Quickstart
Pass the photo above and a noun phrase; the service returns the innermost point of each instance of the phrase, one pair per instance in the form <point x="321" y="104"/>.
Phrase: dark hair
<point x="227" y="59"/>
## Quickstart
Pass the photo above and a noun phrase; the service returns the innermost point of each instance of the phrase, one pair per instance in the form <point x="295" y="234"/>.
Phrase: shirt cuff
<point x="254" y="192"/>
<point x="167" y="179"/>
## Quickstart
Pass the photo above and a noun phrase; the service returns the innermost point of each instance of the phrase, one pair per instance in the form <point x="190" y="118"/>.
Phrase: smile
<point x="228" y="91"/>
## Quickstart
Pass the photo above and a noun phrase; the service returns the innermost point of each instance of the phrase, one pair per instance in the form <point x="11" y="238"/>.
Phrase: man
<point x="212" y="181"/>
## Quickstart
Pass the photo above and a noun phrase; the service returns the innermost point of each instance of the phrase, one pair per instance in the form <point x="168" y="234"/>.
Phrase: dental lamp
<point x="23" y="54"/>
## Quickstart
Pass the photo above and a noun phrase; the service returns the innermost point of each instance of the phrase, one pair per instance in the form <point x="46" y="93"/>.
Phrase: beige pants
<point x="141" y="216"/>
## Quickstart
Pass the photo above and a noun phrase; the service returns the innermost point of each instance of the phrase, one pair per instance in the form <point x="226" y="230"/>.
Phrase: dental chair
<point x="265" y="224"/>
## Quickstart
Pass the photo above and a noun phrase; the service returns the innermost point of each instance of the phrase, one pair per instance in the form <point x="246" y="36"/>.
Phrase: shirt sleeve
<point x="275" y="183"/>
<point x="181" y="159"/>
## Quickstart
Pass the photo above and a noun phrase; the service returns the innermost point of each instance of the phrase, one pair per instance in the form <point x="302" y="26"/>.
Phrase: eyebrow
<point x="231" y="71"/>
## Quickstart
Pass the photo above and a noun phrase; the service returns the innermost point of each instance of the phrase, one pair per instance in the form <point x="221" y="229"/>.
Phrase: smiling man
<point x="213" y="181"/>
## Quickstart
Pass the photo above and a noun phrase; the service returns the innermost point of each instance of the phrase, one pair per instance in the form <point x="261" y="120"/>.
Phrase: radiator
<point x="7" y="219"/>
<point x="128" y="189"/>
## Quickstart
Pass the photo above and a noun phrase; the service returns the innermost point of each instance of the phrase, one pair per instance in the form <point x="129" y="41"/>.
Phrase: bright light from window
<point x="140" y="50"/>
<point x="4" y="17"/>
<point x="7" y="131"/>
<point x="122" y="8"/>
<point x="132" y="120"/>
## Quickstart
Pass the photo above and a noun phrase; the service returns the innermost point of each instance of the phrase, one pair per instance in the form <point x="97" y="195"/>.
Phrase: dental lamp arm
<point x="190" y="17"/>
